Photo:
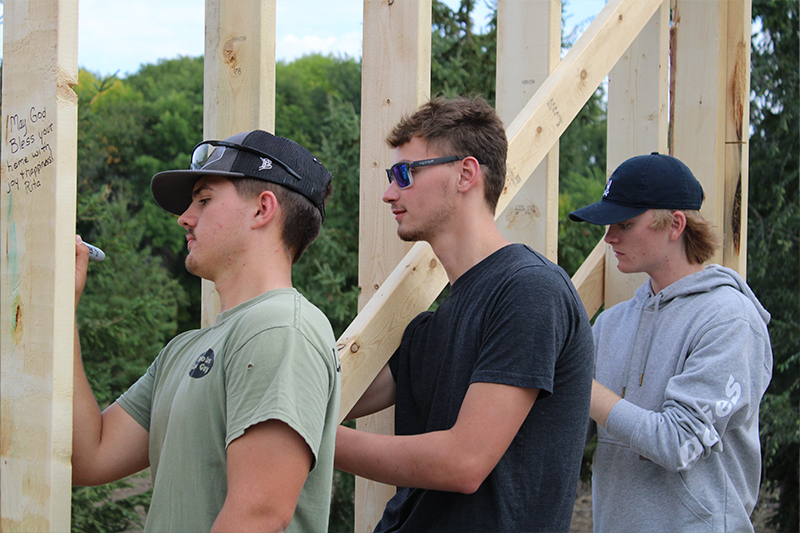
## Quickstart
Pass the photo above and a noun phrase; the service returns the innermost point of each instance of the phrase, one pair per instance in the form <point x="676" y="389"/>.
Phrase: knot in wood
<point x="432" y="264"/>
<point x="354" y="347"/>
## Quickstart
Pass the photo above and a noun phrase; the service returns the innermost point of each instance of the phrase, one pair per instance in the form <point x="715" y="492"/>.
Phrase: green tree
<point x="773" y="236"/>
<point x="132" y="128"/>
<point x="582" y="178"/>
<point x="100" y="510"/>
<point x="463" y="62"/>
<point x="327" y="274"/>
<point x="129" y="308"/>
<point x="303" y="88"/>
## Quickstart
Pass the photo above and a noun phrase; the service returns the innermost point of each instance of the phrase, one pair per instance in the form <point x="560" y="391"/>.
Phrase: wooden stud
<point x="239" y="83"/>
<point x="637" y="122"/>
<point x="699" y="46"/>
<point x="737" y="134"/>
<point x="528" y="49"/>
<point x="37" y="237"/>
<point x="396" y="64"/>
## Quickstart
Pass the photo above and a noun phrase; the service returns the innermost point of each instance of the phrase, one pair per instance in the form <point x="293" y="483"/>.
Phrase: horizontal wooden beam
<point x="369" y="342"/>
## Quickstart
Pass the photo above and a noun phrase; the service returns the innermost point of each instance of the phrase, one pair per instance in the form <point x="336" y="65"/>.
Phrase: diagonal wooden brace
<point x="369" y="341"/>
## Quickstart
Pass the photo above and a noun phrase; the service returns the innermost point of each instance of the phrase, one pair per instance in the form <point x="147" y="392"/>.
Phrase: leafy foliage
<point x="463" y="62"/>
<point x="774" y="236"/>
<point x="321" y="98"/>
<point x="97" y="510"/>
<point x="129" y="308"/>
<point x="582" y="178"/>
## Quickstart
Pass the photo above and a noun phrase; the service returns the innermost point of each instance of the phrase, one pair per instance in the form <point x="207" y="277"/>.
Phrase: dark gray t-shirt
<point x="513" y="319"/>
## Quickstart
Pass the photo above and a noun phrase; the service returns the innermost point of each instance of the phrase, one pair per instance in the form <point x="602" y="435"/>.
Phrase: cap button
<point x="654" y="153"/>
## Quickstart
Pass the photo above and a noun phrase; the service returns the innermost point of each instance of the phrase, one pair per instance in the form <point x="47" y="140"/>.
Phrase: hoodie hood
<point x="706" y="280"/>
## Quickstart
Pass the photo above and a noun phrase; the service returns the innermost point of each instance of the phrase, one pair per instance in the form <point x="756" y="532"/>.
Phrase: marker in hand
<point x="95" y="253"/>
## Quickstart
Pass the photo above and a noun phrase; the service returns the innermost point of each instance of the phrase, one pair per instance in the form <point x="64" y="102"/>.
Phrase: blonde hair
<point x="699" y="238"/>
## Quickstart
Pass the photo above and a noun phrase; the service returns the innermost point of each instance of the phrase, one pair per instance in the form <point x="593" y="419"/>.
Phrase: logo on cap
<point x="266" y="164"/>
<point x="608" y="188"/>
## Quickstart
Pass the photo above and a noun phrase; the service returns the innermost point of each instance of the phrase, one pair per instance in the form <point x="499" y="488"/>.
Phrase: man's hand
<point x="81" y="266"/>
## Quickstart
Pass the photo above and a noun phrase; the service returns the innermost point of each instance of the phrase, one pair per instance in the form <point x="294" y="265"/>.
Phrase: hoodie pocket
<point x="699" y="518"/>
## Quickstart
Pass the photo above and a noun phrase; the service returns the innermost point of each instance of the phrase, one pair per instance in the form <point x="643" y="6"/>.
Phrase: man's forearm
<point x="105" y="446"/>
<point x="407" y="461"/>
<point x="86" y="418"/>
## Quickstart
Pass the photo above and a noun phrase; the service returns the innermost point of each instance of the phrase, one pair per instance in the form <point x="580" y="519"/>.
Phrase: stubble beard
<point x="191" y="265"/>
<point x="430" y="228"/>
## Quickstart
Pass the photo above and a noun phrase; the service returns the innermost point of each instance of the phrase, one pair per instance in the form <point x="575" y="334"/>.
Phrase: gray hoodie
<point x="681" y="451"/>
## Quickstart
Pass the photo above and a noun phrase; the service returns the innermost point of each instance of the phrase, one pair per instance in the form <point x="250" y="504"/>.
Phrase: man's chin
<point x="409" y="236"/>
<point x="192" y="267"/>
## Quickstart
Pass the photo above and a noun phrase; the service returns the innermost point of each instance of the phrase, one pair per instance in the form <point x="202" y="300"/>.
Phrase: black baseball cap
<point x="654" y="181"/>
<point x="252" y="154"/>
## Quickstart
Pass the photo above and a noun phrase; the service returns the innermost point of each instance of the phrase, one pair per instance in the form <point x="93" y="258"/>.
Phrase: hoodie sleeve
<point x="718" y="390"/>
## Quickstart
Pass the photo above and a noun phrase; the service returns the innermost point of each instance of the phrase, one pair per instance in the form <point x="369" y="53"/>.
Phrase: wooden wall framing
<point x="692" y="102"/>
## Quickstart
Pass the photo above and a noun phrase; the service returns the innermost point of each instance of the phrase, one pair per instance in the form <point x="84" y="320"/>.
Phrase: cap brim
<point x="172" y="189"/>
<point x="604" y="213"/>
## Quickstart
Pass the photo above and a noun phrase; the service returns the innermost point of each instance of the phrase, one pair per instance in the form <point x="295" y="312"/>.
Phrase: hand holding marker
<point x="94" y="252"/>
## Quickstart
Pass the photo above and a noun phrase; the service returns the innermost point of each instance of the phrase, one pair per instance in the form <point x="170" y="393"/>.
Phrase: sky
<point x="117" y="37"/>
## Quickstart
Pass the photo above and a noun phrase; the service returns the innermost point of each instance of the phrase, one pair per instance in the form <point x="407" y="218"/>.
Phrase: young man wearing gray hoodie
<point x="680" y="368"/>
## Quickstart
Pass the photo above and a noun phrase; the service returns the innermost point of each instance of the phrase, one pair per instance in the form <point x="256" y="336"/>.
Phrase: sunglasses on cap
<point x="401" y="172"/>
<point x="207" y="152"/>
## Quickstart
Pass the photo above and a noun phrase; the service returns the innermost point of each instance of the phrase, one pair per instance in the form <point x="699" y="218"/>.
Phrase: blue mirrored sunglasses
<point x="401" y="172"/>
<point x="209" y="151"/>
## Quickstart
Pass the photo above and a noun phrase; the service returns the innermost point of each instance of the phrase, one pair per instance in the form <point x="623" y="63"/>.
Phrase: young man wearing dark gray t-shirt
<point x="492" y="389"/>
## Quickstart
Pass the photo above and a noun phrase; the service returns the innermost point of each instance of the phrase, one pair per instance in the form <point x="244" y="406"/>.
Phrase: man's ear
<point x="266" y="209"/>
<point x="677" y="225"/>
<point x="470" y="172"/>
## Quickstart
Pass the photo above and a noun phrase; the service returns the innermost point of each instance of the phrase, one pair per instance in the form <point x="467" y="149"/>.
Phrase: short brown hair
<point x="461" y="126"/>
<point x="302" y="220"/>
<point x="699" y="238"/>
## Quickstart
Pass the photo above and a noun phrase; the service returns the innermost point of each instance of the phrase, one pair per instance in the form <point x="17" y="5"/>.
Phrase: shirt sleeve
<point x="137" y="401"/>
<point x="525" y="331"/>
<point x="717" y="391"/>
<point x="278" y="375"/>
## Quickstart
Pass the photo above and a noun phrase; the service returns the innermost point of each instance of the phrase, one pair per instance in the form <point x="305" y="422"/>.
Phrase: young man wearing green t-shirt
<point x="237" y="421"/>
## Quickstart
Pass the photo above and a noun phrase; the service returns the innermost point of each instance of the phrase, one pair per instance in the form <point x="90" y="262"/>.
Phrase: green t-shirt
<point x="273" y="357"/>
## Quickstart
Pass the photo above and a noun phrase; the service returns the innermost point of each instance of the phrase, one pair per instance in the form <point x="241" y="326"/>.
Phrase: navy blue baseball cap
<point x="252" y="154"/>
<point x="654" y="181"/>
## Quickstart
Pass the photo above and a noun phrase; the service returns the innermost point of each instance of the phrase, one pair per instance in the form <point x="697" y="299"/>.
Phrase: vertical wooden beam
<point x="700" y="73"/>
<point x="396" y="63"/>
<point x="528" y="49"/>
<point x="239" y="82"/>
<point x="737" y="134"/>
<point x="637" y="122"/>
<point x="37" y="221"/>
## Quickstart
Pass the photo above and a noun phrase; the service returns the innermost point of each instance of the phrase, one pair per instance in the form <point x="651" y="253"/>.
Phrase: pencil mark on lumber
<point x="551" y="105"/>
